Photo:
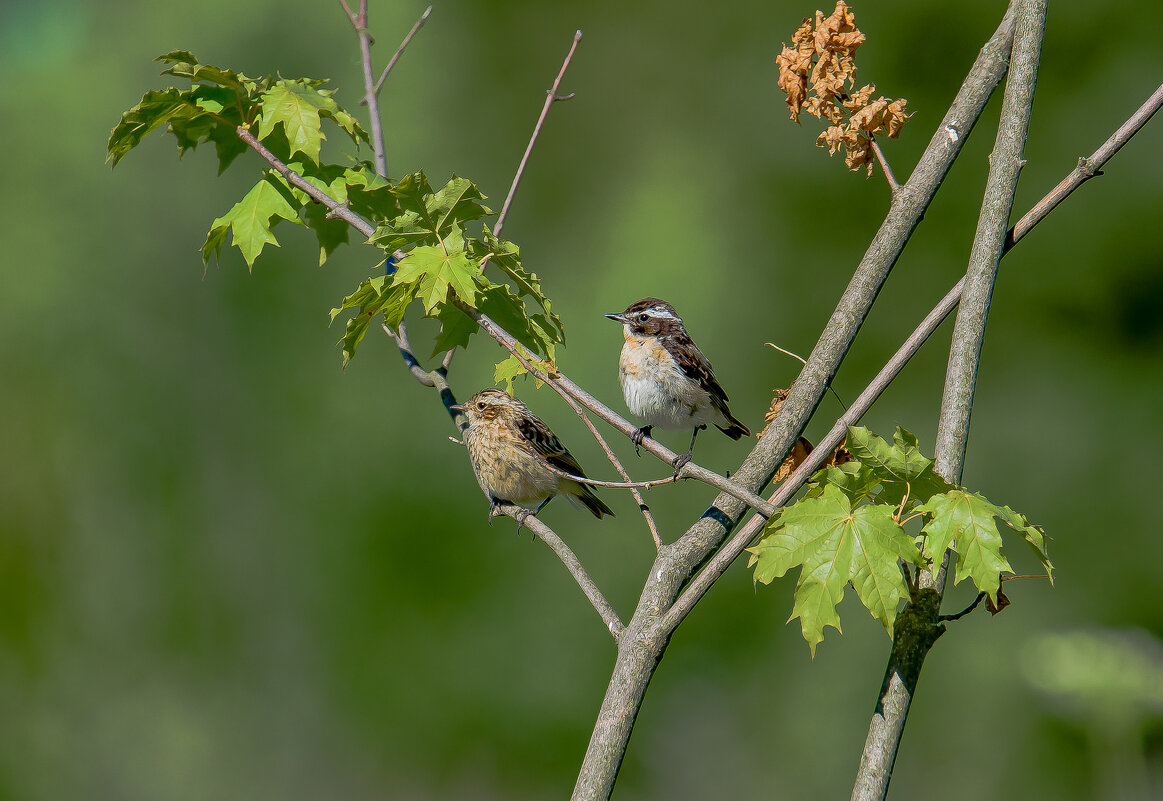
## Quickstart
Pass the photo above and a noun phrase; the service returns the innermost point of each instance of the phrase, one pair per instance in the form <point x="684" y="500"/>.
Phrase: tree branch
<point x="526" y="518"/>
<point x="371" y="97"/>
<point x="593" y="482"/>
<point x="400" y="51"/>
<point x="1087" y="168"/>
<point x="336" y="208"/>
<point x="908" y="655"/>
<point x="551" y="97"/>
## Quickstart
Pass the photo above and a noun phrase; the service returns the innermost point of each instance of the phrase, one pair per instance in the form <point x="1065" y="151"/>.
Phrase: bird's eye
<point x="643" y="317"/>
<point x="480" y="406"/>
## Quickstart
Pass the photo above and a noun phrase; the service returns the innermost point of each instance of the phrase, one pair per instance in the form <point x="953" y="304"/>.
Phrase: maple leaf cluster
<point x="821" y="59"/>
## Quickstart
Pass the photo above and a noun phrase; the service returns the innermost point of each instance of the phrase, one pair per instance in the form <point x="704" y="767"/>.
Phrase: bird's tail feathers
<point x="734" y="429"/>
<point x="583" y="497"/>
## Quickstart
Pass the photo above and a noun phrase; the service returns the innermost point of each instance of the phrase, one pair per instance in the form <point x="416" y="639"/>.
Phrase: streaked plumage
<point x="666" y="379"/>
<point x="506" y="445"/>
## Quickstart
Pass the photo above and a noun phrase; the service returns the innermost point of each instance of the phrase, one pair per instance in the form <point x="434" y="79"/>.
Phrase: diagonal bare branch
<point x="551" y="97"/>
<point x="1087" y="168"/>
<point x="544" y="533"/>
<point x="399" y="52"/>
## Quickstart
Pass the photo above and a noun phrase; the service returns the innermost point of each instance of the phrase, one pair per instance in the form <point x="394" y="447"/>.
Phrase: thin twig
<point x="980" y="597"/>
<point x="350" y="14"/>
<point x="593" y="482"/>
<point x="893" y="185"/>
<point x="550" y="98"/>
<point x="1087" y="168"/>
<point x="401" y="338"/>
<point x="530" y="521"/>
<point x="804" y="362"/>
<point x="617" y="463"/>
<point x="399" y="51"/>
<point x="359" y="22"/>
<point x="337" y="209"/>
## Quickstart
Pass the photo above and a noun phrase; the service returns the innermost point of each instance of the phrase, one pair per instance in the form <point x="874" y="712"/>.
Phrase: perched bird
<point x="509" y="447"/>
<point x="666" y="379"/>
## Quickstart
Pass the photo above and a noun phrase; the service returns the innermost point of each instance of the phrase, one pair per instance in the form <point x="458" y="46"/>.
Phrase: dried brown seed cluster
<point x="822" y="59"/>
<point x="803" y="448"/>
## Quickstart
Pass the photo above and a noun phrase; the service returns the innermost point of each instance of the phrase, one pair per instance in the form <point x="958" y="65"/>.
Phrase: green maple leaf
<point x="902" y="460"/>
<point x="512" y="368"/>
<point x="455" y="204"/>
<point x="1033" y="536"/>
<point x="966" y="522"/>
<point x="369" y="194"/>
<point x="455" y="329"/>
<point x="156" y="108"/>
<point x="250" y="221"/>
<point x="185" y="65"/>
<point x="506" y="257"/>
<point x="372" y="297"/>
<point x="900" y="467"/>
<point x="227" y="145"/>
<point x="835" y="544"/>
<point x="429" y="218"/>
<point x="853" y="478"/>
<point x="439" y="268"/>
<point x="298" y="107"/>
<point x="506" y="309"/>
<point x="330" y="232"/>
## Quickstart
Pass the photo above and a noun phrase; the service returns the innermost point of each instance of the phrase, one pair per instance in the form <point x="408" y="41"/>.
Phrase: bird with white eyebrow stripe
<point x="666" y="379"/>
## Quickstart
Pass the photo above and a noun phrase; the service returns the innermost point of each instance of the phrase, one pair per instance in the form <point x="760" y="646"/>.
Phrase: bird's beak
<point x="618" y="318"/>
<point x="456" y="407"/>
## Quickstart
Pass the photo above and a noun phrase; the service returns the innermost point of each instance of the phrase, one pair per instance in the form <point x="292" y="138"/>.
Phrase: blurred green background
<point x="230" y="570"/>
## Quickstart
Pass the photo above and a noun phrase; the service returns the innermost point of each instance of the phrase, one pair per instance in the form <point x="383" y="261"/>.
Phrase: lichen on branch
<point x="813" y="73"/>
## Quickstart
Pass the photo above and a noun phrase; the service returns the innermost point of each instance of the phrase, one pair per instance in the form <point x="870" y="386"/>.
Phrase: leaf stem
<point x="893" y="185"/>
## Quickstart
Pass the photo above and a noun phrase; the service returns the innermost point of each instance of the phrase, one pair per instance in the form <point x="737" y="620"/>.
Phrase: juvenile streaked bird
<point x="666" y="379"/>
<point x="509" y="447"/>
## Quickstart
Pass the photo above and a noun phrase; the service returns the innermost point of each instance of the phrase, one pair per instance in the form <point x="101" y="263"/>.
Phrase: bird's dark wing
<point x="546" y="445"/>
<point x="694" y="365"/>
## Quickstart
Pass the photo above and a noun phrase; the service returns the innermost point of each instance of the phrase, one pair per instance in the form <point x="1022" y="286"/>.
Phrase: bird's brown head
<point x="489" y="404"/>
<point x="649" y="317"/>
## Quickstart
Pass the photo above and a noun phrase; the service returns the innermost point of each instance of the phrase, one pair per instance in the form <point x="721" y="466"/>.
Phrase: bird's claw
<point x="638" y="436"/>
<point x="681" y="462"/>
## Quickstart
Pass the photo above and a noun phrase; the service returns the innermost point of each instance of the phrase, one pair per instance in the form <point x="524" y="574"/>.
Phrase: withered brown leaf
<point x="1002" y="602"/>
<point x="820" y="62"/>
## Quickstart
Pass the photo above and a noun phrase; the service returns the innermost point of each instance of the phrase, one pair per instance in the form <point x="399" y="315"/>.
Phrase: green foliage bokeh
<point x="228" y="569"/>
